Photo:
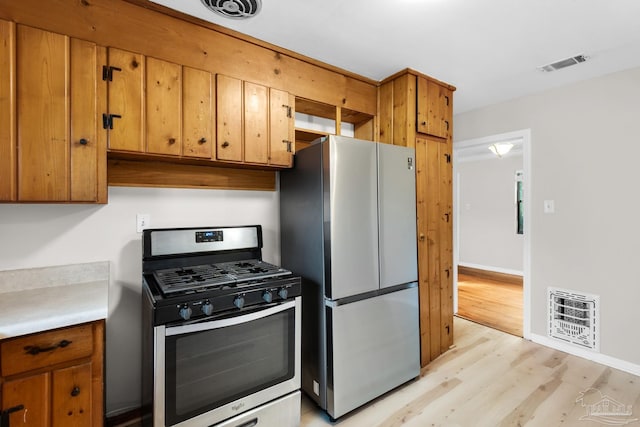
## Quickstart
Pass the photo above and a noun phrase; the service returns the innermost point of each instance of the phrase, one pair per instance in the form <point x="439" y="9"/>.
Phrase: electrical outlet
<point x="549" y="206"/>
<point x="142" y="221"/>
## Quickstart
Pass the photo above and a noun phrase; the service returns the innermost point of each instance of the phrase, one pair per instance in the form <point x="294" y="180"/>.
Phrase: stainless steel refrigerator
<point x="348" y="227"/>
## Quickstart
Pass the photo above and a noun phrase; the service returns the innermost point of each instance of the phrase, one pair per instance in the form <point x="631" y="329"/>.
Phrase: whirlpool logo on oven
<point x="238" y="406"/>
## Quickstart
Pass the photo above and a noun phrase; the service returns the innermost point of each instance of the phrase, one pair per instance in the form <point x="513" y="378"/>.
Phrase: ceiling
<point x="489" y="49"/>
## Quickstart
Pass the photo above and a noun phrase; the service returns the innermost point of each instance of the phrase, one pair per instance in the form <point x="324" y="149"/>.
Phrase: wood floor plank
<point x="491" y="378"/>
<point x="494" y="303"/>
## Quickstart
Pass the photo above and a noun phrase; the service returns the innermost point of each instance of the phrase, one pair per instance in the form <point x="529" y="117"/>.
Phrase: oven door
<point x="213" y="370"/>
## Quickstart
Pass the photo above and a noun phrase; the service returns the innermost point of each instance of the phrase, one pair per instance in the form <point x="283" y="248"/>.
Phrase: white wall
<point x="44" y="235"/>
<point x="585" y="147"/>
<point x="487" y="222"/>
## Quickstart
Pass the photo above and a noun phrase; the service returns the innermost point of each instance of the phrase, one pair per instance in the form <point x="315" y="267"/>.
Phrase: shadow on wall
<point x="124" y="331"/>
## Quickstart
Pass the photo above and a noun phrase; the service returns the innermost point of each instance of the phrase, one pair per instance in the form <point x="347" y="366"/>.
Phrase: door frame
<point x="525" y="136"/>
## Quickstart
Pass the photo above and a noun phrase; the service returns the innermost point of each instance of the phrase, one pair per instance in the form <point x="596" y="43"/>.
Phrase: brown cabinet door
<point x="125" y="89"/>
<point x="446" y="244"/>
<point x="435" y="255"/>
<point x="71" y="395"/>
<point x="229" y="118"/>
<point x="163" y="105"/>
<point x="7" y="112"/>
<point x="33" y="394"/>
<point x="197" y="113"/>
<point x="281" y="127"/>
<point x="256" y="128"/>
<point x="434" y="102"/>
<point x="42" y="115"/>
<point x="84" y="144"/>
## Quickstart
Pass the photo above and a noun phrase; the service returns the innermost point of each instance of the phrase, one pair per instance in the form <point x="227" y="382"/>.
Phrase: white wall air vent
<point x="236" y="9"/>
<point x="574" y="318"/>
<point x="563" y="63"/>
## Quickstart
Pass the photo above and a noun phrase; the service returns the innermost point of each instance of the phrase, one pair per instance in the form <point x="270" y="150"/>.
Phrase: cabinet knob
<point x="75" y="391"/>
<point x="202" y="140"/>
<point x="421" y="236"/>
<point x="225" y="144"/>
<point x="83" y="141"/>
<point x="172" y="141"/>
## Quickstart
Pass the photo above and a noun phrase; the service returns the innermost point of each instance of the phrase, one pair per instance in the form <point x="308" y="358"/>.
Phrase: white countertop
<point x="35" y="300"/>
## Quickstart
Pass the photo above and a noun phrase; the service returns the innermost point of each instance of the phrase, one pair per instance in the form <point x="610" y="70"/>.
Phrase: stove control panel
<point x="194" y="306"/>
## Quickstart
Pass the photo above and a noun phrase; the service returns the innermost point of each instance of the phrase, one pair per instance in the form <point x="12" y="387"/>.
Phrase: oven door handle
<point x="215" y="324"/>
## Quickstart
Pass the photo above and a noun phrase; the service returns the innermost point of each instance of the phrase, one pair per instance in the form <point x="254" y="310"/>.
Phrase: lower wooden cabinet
<point x="54" y="378"/>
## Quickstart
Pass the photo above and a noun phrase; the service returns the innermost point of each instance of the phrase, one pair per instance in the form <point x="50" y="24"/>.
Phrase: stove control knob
<point x="207" y="308"/>
<point x="239" y="301"/>
<point x="267" y="296"/>
<point x="283" y="293"/>
<point x="185" y="312"/>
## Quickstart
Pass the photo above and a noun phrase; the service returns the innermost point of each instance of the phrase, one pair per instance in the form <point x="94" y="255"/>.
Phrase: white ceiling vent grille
<point x="563" y="63"/>
<point x="236" y="9"/>
<point x="574" y="318"/>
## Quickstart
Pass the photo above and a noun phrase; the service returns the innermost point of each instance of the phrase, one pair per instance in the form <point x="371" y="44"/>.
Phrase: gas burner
<point x="214" y="276"/>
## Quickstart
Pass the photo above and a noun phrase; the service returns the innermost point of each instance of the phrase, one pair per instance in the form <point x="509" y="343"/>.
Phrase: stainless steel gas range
<point x="221" y="330"/>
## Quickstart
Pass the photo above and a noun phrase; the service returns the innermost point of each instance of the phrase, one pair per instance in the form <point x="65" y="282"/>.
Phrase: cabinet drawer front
<point x="45" y="349"/>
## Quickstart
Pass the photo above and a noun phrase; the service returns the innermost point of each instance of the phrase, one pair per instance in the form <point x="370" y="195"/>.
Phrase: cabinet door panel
<point x="7" y="112"/>
<point x="256" y="131"/>
<point x="229" y="124"/>
<point x="31" y="392"/>
<point x="281" y="129"/>
<point x="84" y="138"/>
<point x="125" y="100"/>
<point x="163" y="107"/>
<point x="446" y="245"/>
<point x="197" y="113"/>
<point x="43" y="132"/>
<point x="71" y="394"/>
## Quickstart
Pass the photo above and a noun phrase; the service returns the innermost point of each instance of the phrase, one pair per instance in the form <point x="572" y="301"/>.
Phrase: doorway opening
<point x="492" y="231"/>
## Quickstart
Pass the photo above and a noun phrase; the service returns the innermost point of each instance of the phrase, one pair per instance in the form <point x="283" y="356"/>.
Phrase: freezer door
<point x="374" y="348"/>
<point x="351" y="220"/>
<point x="397" y="212"/>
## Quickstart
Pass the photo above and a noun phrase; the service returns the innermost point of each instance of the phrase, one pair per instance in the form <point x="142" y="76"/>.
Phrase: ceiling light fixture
<point x="501" y="148"/>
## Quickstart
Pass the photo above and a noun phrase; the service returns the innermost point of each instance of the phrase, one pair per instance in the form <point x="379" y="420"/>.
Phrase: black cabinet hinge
<point x="107" y="120"/>
<point x="107" y="72"/>
<point x="448" y="157"/>
<point x="4" y="414"/>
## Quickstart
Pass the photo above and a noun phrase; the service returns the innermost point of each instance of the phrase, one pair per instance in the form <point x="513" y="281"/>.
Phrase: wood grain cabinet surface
<point x="51" y="144"/>
<point x="54" y="378"/>
<point x="255" y="123"/>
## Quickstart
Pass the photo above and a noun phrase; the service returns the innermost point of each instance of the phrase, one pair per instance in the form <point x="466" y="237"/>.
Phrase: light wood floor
<point x="493" y="379"/>
<point x="494" y="303"/>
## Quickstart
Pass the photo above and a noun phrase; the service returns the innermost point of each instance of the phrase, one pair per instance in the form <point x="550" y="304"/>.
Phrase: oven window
<point x="208" y="369"/>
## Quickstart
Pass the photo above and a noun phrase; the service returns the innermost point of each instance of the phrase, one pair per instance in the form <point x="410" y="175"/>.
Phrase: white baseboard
<point x="610" y="361"/>
<point x="490" y="268"/>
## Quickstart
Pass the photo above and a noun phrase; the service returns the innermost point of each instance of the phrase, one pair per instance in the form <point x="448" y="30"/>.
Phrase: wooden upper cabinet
<point x="197" y="113"/>
<point x="163" y="107"/>
<point x="256" y="123"/>
<point x="60" y="147"/>
<point x="125" y="74"/>
<point x="43" y="109"/>
<point x="229" y="129"/>
<point x="7" y="112"/>
<point x="281" y="127"/>
<point x="434" y="108"/>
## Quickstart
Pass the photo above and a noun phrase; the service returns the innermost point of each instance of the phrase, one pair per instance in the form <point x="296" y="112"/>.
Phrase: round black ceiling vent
<point x="236" y="9"/>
